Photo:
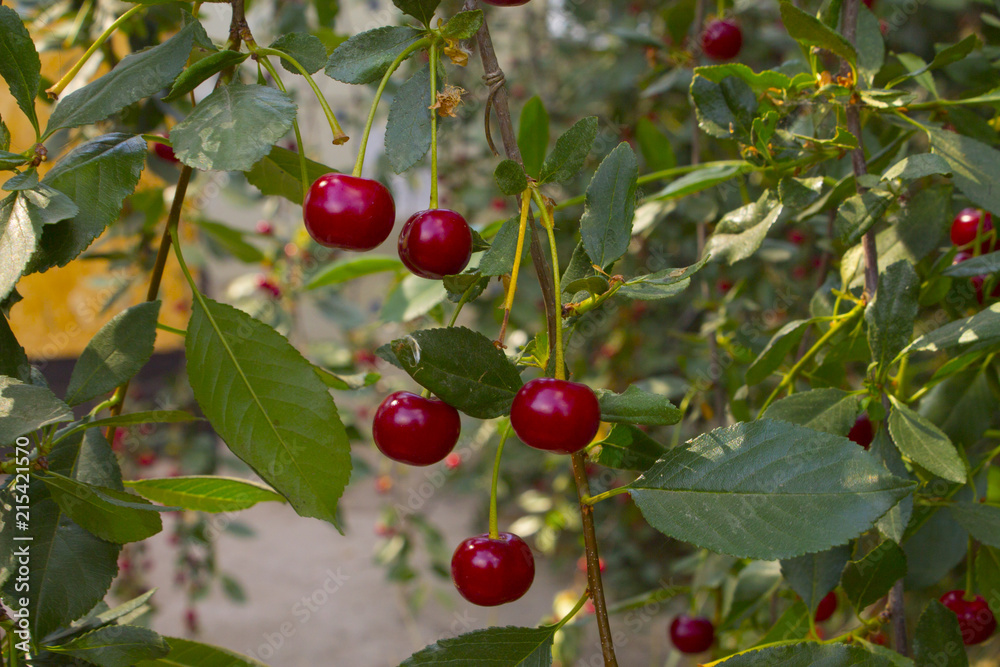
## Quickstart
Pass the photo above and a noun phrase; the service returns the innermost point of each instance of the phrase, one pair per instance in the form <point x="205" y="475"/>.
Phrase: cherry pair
<point x="354" y="213"/>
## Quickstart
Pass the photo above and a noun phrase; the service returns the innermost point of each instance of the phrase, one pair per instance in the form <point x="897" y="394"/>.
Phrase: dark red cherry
<point x="692" y="634"/>
<point x="966" y="225"/>
<point x="348" y="212"/>
<point x="164" y="152"/>
<point x="412" y="429"/>
<point x="435" y="243"/>
<point x="826" y="607"/>
<point x="491" y="572"/>
<point x="975" y="619"/>
<point x="555" y="415"/>
<point x="721" y="40"/>
<point x="506" y="3"/>
<point x="862" y="432"/>
<point x="868" y="3"/>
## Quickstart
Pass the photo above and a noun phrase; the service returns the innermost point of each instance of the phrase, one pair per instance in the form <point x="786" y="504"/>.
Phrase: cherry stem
<point x="339" y="137"/>
<point x="549" y="225"/>
<point x="508" y="301"/>
<point x="434" y="126"/>
<point x="969" y="583"/>
<point x="68" y="76"/>
<point x="461" y="304"/>
<point x="494" y="530"/>
<point x="574" y="611"/>
<point x="419" y="44"/>
<point x="303" y="169"/>
<point x="611" y="493"/>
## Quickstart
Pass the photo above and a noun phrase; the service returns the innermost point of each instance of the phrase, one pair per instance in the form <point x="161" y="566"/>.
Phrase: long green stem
<point x="61" y="84"/>
<point x="461" y="304"/>
<point x="378" y="96"/>
<point x="835" y="327"/>
<point x="339" y="136"/>
<point x="494" y="523"/>
<point x="549" y="225"/>
<point x="617" y="491"/>
<point x="434" y="126"/>
<point x="574" y="611"/>
<point x="508" y="301"/>
<point x="303" y="168"/>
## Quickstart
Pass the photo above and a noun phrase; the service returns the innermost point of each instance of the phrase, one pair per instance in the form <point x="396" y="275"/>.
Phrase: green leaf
<point x="233" y="128"/>
<point x="493" y="647"/>
<point x="924" y="443"/>
<point x="204" y="493"/>
<point x="726" y="109"/>
<point x="606" y="226"/>
<point x="867" y="580"/>
<point x="306" y="49"/>
<point x="348" y="269"/>
<point x="533" y="135"/>
<point x="870" y="45"/>
<point x="769" y="360"/>
<point x="232" y="240"/>
<point x="461" y="367"/>
<point x="982" y="521"/>
<point x="13" y="360"/>
<point x="814" y="575"/>
<point x="701" y="179"/>
<point x="137" y="76"/>
<point x="828" y="410"/>
<point x="499" y="259"/>
<point x="937" y="641"/>
<point x="22" y="217"/>
<point x="759" y="82"/>
<point x="62" y="586"/>
<point x="657" y="152"/>
<point x="890" y="317"/>
<point x="983" y="328"/>
<point x="808" y="31"/>
<point x="976" y="266"/>
<point x="265" y="401"/>
<point x="628" y="448"/>
<point x="115" y="353"/>
<point x="572" y="148"/>
<point x="97" y="176"/>
<point x="975" y="166"/>
<point x="660" y="284"/>
<point x="414" y="297"/>
<point x="9" y="160"/>
<point x="115" y="646"/>
<point x="463" y="25"/>
<point x="199" y="72"/>
<point x="279" y="173"/>
<point x="187" y="653"/>
<point x="893" y="523"/>
<point x="635" y="406"/>
<point x="27" y="407"/>
<point x="793" y="624"/>
<point x="859" y="213"/>
<point x="510" y="178"/>
<point x="4" y="136"/>
<point x="145" y="417"/>
<point x="988" y="572"/>
<point x="114" y="516"/>
<point x="741" y="232"/>
<point x="807" y="654"/>
<point x="366" y="57"/>
<point x="19" y="65"/>
<point x="766" y="490"/>
<point x="944" y="57"/>
<point x="934" y="544"/>
<point x="917" y="166"/>
<point x="25" y="180"/>
<point x="408" y="129"/>
<point x="422" y="10"/>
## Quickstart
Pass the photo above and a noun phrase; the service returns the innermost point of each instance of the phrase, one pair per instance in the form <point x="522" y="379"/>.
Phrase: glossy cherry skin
<point x="506" y="3"/>
<point x="721" y="40"/>
<point x="826" y="607"/>
<point x="492" y="572"/>
<point x="862" y="432"/>
<point x="415" y="430"/>
<point x="692" y="634"/>
<point x="555" y="415"/>
<point x="435" y="243"/>
<point x="975" y="619"/>
<point x="348" y="212"/>
<point x="966" y="224"/>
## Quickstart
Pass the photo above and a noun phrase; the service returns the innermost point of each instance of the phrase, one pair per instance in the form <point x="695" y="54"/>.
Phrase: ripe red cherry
<point x="975" y="619"/>
<point x="826" y="607"/>
<point x="491" y="572"/>
<point x="435" y="243"/>
<point x="555" y="415"/>
<point x="721" y="40"/>
<point x="412" y="429"/>
<point x="692" y="634"/>
<point x="348" y="212"/>
<point x="506" y="3"/>
<point x="164" y="152"/>
<point x="862" y="432"/>
<point x="967" y="223"/>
